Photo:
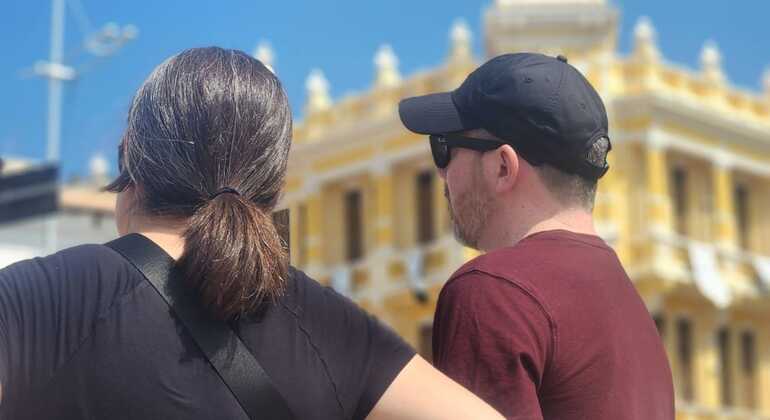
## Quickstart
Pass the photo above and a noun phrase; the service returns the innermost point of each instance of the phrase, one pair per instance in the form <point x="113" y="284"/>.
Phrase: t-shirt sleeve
<point x="5" y="341"/>
<point x="388" y="354"/>
<point x="20" y="319"/>
<point x="363" y="355"/>
<point x="14" y="291"/>
<point x="47" y="307"/>
<point x="494" y="338"/>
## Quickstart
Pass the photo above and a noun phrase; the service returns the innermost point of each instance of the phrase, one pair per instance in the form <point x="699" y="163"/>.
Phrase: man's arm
<point x="494" y="338"/>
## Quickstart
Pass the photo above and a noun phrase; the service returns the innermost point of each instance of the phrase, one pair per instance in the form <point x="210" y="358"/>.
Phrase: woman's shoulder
<point x="61" y="262"/>
<point x="78" y="274"/>
<point x="70" y="262"/>
<point x="308" y="298"/>
<point x="336" y="323"/>
<point x="361" y="355"/>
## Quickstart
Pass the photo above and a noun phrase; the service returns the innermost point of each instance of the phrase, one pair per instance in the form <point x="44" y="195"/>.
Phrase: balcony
<point x="725" y="276"/>
<point x="384" y="273"/>
<point x="689" y="411"/>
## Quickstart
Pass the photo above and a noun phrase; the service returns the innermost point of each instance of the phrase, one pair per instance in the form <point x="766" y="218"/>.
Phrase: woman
<point x="202" y="163"/>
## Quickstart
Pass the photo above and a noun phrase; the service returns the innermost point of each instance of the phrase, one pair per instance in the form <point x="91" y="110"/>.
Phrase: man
<point x="545" y="324"/>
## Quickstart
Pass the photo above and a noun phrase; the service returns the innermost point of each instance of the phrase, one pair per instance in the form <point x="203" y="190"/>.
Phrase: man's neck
<point x="512" y="229"/>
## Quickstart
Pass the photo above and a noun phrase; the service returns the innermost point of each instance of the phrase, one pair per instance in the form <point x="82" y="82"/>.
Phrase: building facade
<point x="683" y="204"/>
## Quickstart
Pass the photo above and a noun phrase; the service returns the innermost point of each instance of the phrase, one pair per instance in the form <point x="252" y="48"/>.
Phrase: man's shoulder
<point x="476" y="283"/>
<point x="545" y="259"/>
<point x="498" y="269"/>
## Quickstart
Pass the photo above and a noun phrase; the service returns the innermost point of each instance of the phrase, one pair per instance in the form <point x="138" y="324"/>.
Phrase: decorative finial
<point x="645" y="39"/>
<point x="711" y="62"/>
<point x="317" y="86"/>
<point x="99" y="168"/>
<point x="460" y="36"/>
<point x="386" y="63"/>
<point x="264" y="53"/>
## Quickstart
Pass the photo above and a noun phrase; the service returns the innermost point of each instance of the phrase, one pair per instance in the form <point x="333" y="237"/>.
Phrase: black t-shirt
<point x="84" y="335"/>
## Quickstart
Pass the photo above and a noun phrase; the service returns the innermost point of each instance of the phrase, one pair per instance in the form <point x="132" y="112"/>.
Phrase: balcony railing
<point x="690" y="411"/>
<point x="381" y="274"/>
<point x="722" y="274"/>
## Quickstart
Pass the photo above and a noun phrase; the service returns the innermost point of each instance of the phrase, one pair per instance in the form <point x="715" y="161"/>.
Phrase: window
<point x="725" y="373"/>
<point x="684" y="355"/>
<point x="354" y="225"/>
<point x="281" y="223"/>
<point x="424" y="200"/>
<point x="679" y="199"/>
<point x="426" y="340"/>
<point x="741" y="197"/>
<point x="748" y="368"/>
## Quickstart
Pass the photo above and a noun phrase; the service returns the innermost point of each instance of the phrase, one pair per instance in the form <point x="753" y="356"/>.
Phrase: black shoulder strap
<point x="234" y="363"/>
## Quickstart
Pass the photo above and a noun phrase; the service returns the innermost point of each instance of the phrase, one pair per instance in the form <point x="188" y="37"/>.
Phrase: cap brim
<point x="430" y="114"/>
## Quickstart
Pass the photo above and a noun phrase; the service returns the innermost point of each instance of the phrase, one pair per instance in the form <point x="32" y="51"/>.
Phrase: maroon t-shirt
<point x="552" y="328"/>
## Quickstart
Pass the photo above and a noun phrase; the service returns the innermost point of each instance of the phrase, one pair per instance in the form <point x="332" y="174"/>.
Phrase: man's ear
<point x="507" y="168"/>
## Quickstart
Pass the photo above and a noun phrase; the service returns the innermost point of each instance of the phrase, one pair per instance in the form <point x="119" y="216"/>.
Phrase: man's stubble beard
<point x="473" y="210"/>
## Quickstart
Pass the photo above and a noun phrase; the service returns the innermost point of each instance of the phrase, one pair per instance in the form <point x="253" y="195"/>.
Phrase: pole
<point x="54" y="107"/>
<point x="54" y="82"/>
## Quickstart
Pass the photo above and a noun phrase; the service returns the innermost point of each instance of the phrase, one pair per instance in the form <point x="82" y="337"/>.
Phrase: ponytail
<point x="233" y="256"/>
<point x="206" y="118"/>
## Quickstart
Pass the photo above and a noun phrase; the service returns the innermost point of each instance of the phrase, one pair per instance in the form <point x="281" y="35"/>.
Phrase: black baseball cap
<point x="540" y="105"/>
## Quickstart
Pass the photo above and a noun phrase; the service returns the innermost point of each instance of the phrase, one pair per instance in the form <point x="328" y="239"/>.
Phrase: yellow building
<point x="683" y="204"/>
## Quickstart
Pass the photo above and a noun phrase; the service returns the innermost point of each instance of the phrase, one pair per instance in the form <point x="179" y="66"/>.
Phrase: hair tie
<point x="223" y="191"/>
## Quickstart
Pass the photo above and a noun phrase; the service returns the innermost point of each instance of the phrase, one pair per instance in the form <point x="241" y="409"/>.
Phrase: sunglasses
<point x="441" y="146"/>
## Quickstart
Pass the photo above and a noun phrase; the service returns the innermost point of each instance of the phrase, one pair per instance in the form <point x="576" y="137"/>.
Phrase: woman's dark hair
<point x="204" y="120"/>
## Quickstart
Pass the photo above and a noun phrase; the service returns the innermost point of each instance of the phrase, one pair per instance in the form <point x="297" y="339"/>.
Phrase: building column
<point x="314" y="225"/>
<point x="659" y="209"/>
<point x="706" y="364"/>
<point x="725" y="225"/>
<point x="659" y="202"/>
<point x="384" y="237"/>
<point x="763" y="223"/>
<point x="383" y="197"/>
<point x="725" y="234"/>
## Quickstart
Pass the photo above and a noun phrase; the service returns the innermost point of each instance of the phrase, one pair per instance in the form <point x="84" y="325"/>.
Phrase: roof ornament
<point x="645" y="40"/>
<point x="386" y="64"/>
<point x="317" y="87"/>
<point x="460" y="37"/>
<point x="711" y="62"/>
<point x="264" y="53"/>
<point x="99" y="168"/>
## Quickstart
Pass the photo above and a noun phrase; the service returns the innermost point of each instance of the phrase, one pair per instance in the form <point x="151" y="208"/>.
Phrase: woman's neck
<point x="167" y="234"/>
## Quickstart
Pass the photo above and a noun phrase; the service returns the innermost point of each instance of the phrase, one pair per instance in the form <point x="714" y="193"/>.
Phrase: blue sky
<point x="339" y="37"/>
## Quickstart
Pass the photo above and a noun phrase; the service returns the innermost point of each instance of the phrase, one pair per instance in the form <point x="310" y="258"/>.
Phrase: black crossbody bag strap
<point x="236" y="366"/>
